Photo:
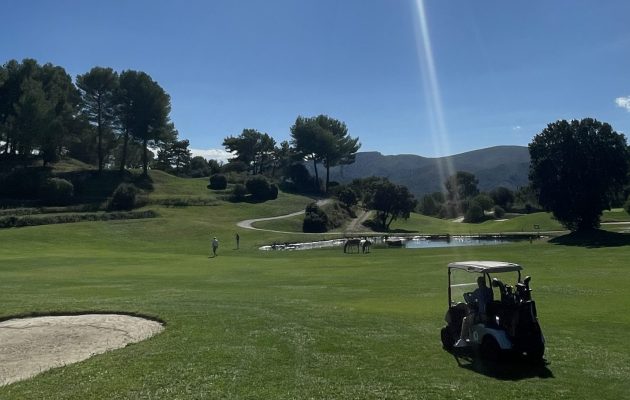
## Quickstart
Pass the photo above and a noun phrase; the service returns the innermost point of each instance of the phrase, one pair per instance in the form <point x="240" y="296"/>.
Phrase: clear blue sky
<point x="502" y="69"/>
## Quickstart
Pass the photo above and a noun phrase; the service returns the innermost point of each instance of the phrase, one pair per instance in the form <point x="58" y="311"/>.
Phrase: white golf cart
<point x="510" y="323"/>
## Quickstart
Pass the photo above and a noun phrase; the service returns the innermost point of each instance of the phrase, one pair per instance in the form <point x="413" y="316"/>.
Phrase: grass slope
<point x="308" y="324"/>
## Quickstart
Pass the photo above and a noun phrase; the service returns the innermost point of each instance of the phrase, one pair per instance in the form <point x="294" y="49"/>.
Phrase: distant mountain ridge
<point x="494" y="166"/>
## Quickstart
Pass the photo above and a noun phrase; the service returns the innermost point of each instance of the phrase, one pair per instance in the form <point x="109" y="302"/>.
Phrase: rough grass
<point x="303" y="324"/>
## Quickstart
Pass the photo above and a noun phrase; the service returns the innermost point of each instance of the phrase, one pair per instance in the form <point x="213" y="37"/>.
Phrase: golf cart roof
<point x="485" y="266"/>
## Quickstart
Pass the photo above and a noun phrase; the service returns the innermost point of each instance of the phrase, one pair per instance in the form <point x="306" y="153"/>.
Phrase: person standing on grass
<point x="238" y="239"/>
<point x="215" y="246"/>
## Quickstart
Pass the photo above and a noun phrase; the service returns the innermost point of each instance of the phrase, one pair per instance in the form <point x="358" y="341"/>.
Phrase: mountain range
<point x="506" y="166"/>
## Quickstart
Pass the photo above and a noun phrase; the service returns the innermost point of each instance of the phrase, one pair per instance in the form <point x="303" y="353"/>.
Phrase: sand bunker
<point x="29" y="346"/>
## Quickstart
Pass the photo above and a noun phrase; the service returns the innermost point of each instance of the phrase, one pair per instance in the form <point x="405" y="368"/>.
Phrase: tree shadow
<point x="594" y="238"/>
<point x="513" y="368"/>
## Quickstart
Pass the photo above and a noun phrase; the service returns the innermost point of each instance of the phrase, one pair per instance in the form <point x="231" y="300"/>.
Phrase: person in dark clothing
<point x="478" y="301"/>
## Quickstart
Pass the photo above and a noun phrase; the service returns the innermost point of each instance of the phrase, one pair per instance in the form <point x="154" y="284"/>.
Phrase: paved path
<point x="247" y="224"/>
<point x="353" y="227"/>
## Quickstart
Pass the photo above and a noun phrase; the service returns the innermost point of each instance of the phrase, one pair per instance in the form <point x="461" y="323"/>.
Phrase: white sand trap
<point x="29" y="346"/>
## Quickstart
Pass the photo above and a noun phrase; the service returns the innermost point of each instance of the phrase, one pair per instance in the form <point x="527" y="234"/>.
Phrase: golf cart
<point x="509" y="324"/>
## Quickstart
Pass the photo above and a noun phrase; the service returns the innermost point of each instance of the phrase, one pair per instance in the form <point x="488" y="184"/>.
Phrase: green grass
<point x="419" y="223"/>
<point x="616" y="215"/>
<point x="303" y="324"/>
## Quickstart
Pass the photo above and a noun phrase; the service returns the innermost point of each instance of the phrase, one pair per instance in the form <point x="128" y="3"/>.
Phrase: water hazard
<point x="408" y="242"/>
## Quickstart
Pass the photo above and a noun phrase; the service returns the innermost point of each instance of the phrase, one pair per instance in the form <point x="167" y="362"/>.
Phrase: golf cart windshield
<point x="463" y="277"/>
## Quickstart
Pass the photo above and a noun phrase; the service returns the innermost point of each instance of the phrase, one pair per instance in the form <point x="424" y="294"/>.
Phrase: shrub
<point x="57" y="191"/>
<point x="124" y="197"/>
<point x="484" y="201"/>
<point x="238" y="193"/>
<point x="218" y="182"/>
<point x="273" y="192"/>
<point x="348" y="197"/>
<point x="315" y="219"/>
<point x="34" y="220"/>
<point x="258" y="187"/>
<point x="24" y="183"/>
<point x="449" y="210"/>
<point x="499" y="212"/>
<point x="428" y="206"/>
<point x="336" y="215"/>
<point x="474" y="213"/>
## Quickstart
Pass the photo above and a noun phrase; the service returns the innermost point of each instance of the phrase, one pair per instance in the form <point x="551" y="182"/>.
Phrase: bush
<point x="336" y="215"/>
<point x="56" y="191"/>
<point x="449" y="210"/>
<point x="273" y="192"/>
<point x="24" y="183"/>
<point x="258" y="187"/>
<point x="428" y="206"/>
<point x="34" y="220"/>
<point x="238" y="193"/>
<point x="124" y="197"/>
<point x="218" y="182"/>
<point x="484" y="201"/>
<point x="499" y="212"/>
<point x="315" y="219"/>
<point x="626" y="206"/>
<point x="348" y="197"/>
<point x="474" y="214"/>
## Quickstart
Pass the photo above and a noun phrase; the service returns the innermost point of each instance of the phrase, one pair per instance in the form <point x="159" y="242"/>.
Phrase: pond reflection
<point x="408" y="242"/>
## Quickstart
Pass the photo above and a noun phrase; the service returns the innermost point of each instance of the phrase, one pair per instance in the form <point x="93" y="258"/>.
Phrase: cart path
<point x="355" y="224"/>
<point x="247" y="224"/>
<point x="353" y="227"/>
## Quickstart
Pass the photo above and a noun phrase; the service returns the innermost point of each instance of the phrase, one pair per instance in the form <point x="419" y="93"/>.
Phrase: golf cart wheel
<point x="536" y="353"/>
<point x="447" y="339"/>
<point x="490" y="349"/>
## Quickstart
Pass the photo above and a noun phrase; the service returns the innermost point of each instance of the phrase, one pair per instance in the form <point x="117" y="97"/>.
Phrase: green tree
<point x="428" y="205"/>
<point x="199" y="167"/>
<point x="145" y="109"/>
<point x="343" y="149"/>
<point x="390" y="202"/>
<point x="461" y="186"/>
<point x="251" y="147"/>
<point x="576" y="169"/>
<point x="323" y="139"/>
<point x="474" y="213"/>
<point x="37" y="109"/>
<point x="98" y="89"/>
<point x="174" y="156"/>
<point x="348" y="197"/>
<point x="484" y="201"/>
<point x="311" y="142"/>
<point x="283" y="157"/>
<point x="502" y="196"/>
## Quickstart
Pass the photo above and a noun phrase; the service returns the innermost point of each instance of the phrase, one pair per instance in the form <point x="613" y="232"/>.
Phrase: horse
<point x="350" y="243"/>
<point x="365" y="246"/>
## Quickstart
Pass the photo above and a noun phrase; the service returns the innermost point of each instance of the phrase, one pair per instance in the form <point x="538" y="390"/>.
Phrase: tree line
<point x="319" y="139"/>
<point x="105" y="117"/>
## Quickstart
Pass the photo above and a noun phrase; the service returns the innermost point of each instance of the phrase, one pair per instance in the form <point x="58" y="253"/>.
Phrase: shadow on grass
<point x="594" y="238"/>
<point x="512" y="369"/>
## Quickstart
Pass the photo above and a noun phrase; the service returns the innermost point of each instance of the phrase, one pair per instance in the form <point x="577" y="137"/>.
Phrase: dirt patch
<point x="29" y="346"/>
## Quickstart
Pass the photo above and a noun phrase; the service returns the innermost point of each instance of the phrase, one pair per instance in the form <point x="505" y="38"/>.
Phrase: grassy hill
<point x="302" y="324"/>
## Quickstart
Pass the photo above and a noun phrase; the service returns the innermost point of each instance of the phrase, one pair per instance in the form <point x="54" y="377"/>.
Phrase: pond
<point x="408" y="242"/>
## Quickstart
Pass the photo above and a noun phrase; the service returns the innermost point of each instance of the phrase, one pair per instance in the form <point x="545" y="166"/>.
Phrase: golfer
<point x="215" y="246"/>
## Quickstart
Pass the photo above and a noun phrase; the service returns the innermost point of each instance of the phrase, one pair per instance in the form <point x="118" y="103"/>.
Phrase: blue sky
<point x="502" y="69"/>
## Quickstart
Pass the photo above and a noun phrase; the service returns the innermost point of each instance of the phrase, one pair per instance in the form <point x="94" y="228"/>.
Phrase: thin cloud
<point x="623" y="102"/>
<point x="220" y="155"/>
<point x="517" y="128"/>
